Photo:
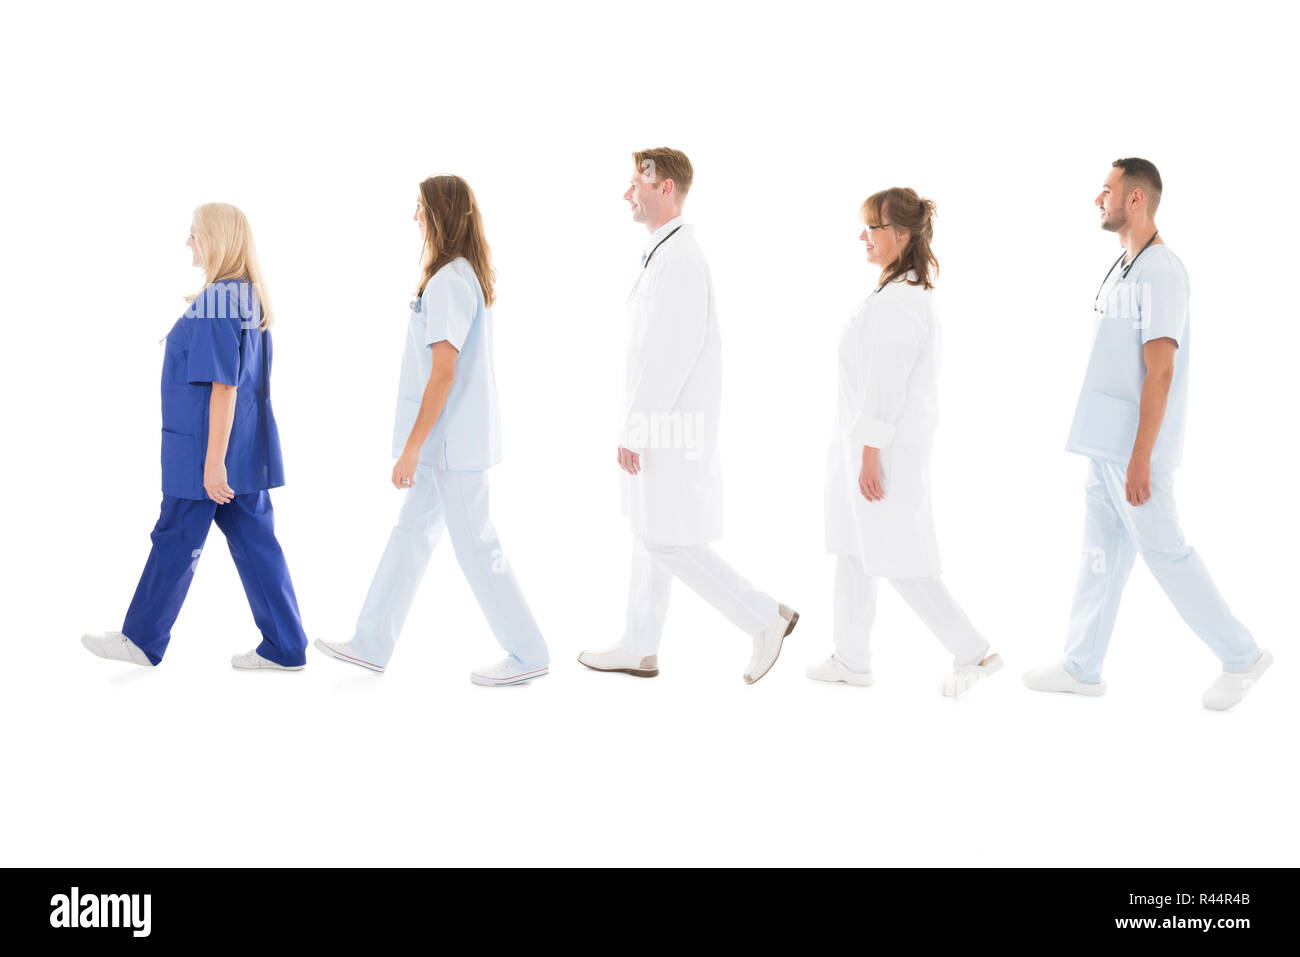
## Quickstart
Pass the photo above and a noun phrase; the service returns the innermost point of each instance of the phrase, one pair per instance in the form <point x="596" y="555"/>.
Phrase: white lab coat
<point x="673" y="395"/>
<point x="888" y="399"/>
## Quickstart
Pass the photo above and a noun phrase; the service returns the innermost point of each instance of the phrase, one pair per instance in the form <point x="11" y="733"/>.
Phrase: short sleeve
<point x="449" y="306"/>
<point x="1163" y="304"/>
<point x="214" y="340"/>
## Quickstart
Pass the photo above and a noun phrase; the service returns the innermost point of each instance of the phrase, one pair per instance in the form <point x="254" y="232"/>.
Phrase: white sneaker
<point x="832" y="669"/>
<point x="965" y="677"/>
<point x="616" y="659"/>
<point x="117" y="646"/>
<point x="768" y="642"/>
<point x="1231" y="686"/>
<point x="342" y="651"/>
<point x="251" y="660"/>
<point x="506" y="672"/>
<point x="1056" y="678"/>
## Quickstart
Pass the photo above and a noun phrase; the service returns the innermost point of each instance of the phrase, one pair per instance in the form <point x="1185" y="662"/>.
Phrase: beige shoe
<point x="768" y="642"/>
<point x="616" y="659"/>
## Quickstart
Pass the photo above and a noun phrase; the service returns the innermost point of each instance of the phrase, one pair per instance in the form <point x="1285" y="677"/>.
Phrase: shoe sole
<point x="844" y="681"/>
<point x="346" y="659"/>
<point x="502" y="682"/>
<point x="794" y="620"/>
<point x="634" y="672"/>
<point x="270" y="667"/>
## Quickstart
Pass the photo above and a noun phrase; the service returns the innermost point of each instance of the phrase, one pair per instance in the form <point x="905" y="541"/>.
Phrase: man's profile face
<point x="1113" y="201"/>
<point x="645" y="194"/>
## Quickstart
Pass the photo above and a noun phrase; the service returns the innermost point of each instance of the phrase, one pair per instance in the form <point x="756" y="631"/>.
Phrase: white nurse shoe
<point x="506" y="672"/>
<point x="616" y="659"/>
<point x="768" y="642"/>
<point x="1231" y="686"/>
<point x="117" y="646"/>
<point x="832" y="669"/>
<point x="342" y="651"/>
<point x="965" y="677"/>
<point x="251" y="661"/>
<point x="1057" y="678"/>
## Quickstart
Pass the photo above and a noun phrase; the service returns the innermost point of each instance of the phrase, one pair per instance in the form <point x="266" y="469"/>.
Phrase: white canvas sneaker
<point x="965" y="677"/>
<point x="1056" y="678"/>
<point x="115" y="645"/>
<point x="832" y="669"/>
<point x="768" y="642"/>
<point x="252" y="661"/>
<point x="342" y="651"/>
<point x="506" y="672"/>
<point x="616" y="659"/>
<point x="1231" y="686"/>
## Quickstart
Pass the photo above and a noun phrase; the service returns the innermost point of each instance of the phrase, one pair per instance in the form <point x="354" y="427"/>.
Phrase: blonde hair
<point x="453" y="226"/>
<point x="226" y="241"/>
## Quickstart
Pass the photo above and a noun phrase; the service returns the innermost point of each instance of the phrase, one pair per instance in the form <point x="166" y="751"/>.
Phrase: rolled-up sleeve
<point x="888" y="350"/>
<point x="449" y="305"/>
<point x="214" y="340"/>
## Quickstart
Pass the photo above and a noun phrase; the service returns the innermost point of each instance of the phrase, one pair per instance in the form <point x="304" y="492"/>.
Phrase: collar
<point x="661" y="232"/>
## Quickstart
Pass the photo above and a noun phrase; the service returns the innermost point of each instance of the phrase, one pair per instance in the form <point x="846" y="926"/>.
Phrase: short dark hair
<point x="1140" y="172"/>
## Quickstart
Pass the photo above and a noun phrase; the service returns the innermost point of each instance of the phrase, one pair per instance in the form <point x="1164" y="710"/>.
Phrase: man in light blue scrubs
<point x="1129" y="422"/>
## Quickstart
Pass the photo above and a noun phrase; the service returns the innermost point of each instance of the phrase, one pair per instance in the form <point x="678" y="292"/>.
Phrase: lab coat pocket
<point x="182" y="475"/>
<point x="1109" y="426"/>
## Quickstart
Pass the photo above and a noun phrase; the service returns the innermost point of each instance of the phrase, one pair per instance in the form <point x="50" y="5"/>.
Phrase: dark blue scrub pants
<point x="249" y="526"/>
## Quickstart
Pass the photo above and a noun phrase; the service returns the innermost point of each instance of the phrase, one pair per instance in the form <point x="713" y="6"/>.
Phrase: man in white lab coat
<point x="668" y="448"/>
<point x="1129" y="422"/>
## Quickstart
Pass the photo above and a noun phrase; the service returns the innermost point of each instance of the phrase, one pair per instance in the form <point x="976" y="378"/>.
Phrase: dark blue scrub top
<point x="218" y="340"/>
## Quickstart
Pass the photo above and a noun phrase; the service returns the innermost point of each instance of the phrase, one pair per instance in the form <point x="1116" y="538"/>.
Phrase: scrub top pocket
<point x="1108" y="426"/>
<point x="181" y="475"/>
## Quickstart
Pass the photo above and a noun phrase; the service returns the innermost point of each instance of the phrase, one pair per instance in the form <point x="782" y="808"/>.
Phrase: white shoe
<point x="616" y="659"/>
<point x="506" y="672"/>
<point x="965" y="677"/>
<point x="342" y="651"/>
<point x="1057" y="678"/>
<point x="1231" y="686"/>
<point x="832" y="669"/>
<point x="768" y="642"/>
<point x="117" y="646"/>
<point x="251" y="660"/>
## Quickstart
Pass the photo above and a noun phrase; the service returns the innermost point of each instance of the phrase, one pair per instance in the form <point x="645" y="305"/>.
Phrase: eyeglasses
<point x="871" y="229"/>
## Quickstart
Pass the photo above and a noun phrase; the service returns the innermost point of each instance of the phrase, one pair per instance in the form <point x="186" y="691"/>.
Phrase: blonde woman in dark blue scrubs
<point x="220" y="457"/>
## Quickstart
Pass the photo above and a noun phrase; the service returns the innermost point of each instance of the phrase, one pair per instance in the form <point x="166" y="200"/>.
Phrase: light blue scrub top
<point x="218" y="339"/>
<point x="467" y="436"/>
<point x="1150" y="303"/>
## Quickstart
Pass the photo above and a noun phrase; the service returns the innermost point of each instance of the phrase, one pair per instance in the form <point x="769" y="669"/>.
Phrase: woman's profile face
<point x="882" y="242"/>
<point x="193" y="243"/>
<point x="419" y="212"/>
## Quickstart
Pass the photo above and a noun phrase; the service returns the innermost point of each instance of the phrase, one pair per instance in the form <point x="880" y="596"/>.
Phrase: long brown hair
<point x="453" y="226"/>
<point x="905" y="211"/>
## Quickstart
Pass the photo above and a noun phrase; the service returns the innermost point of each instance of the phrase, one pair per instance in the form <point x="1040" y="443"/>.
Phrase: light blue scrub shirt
<point x="467" y="436"/>
<point x="1150" y="303"/>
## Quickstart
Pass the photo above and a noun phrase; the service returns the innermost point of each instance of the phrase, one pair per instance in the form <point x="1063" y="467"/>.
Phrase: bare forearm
<point x="431" y="406"/>
<point x="221" y="415"/>
<point x="1155" y="397"/>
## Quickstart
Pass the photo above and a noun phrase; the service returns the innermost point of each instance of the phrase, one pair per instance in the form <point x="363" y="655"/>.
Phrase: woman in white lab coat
<point x="878" y="517"/>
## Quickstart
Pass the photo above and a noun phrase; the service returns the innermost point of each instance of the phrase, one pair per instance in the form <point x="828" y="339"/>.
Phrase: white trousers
<point x="458" y="502"/>
<point x="855" y="612"/>
<point x="702" y="570"/>
<point x="1114" y="533"/>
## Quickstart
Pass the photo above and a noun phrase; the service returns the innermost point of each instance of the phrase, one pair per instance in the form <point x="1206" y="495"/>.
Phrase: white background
<point x="320" y="120"/>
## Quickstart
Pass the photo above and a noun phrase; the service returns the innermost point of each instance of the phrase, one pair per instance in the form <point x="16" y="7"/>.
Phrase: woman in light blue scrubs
<point x="220" y="456"/>
<point x="446" y="436"/>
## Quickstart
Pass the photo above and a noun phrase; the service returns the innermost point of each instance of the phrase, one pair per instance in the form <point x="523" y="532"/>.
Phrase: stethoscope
<point x="657" y="245"/>
<point x="1096" y="302"/>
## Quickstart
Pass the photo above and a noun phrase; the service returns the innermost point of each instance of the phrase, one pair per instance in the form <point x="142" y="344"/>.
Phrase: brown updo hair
<point x="904" y="210"/>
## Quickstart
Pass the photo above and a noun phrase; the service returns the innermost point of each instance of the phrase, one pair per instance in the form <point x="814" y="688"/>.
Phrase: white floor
<point x="196" y="764"/>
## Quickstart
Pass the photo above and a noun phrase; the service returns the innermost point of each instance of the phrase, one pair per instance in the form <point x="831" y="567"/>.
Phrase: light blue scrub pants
<point x="457" y="501"/>
<point x="1114" y="533"/>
